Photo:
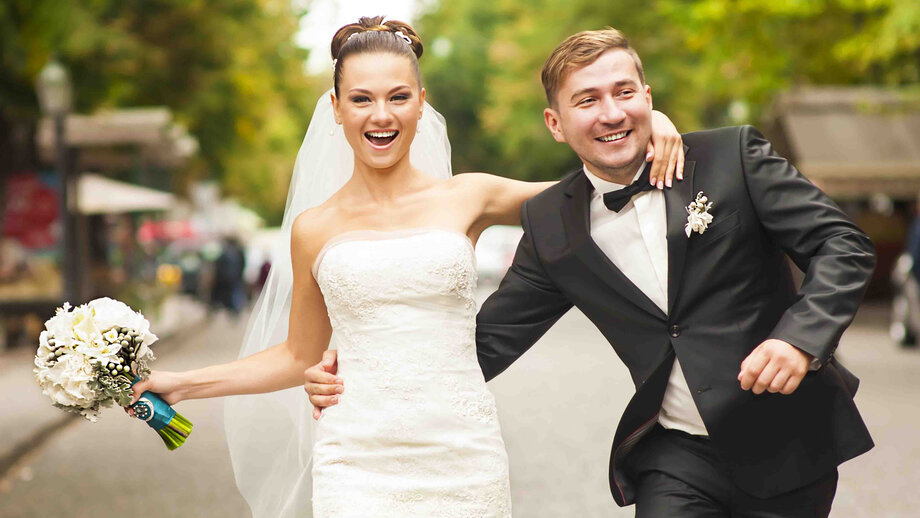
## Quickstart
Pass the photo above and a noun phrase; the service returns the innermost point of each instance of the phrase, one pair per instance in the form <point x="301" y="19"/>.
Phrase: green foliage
<point x="709" y="63"/>
<point x="229" y="70"/>
<point x="113" y="388"/>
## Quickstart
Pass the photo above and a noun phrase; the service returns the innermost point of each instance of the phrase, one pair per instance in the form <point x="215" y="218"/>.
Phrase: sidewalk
<point x="28" y="416"/>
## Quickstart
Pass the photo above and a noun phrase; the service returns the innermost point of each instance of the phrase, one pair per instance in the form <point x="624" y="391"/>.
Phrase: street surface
<point x="559" y="406"/>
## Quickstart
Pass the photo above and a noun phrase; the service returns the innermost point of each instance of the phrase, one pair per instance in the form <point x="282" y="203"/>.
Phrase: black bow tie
<point x="616" y="200"/>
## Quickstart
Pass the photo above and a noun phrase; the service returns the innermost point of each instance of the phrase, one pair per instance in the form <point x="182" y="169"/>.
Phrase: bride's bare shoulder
<point x="311" y="229"/>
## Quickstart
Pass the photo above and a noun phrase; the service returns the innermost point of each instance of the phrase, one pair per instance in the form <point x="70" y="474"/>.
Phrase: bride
<point x="381" y="268"/>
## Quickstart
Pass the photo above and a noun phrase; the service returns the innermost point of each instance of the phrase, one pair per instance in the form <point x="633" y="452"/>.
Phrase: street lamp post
<point x="54" y="97"/>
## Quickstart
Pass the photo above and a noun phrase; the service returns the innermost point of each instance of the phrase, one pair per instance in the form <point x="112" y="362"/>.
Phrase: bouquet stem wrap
<point x="170" y="425"/>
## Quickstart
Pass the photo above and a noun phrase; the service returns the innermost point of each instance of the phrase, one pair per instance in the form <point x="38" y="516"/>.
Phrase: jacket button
<point x="675" y="330"/>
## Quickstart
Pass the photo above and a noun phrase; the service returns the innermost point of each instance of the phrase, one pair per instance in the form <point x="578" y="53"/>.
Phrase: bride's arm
<point x="278" y="367"/>
<point x="501" y="198"/>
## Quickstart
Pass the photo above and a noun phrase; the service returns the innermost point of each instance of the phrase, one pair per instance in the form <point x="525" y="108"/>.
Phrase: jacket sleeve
<point x="523" y="308"/>
<point x="837" y="257"/>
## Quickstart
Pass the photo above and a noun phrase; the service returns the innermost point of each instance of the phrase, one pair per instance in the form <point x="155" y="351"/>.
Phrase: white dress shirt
<point x="635" y="240"/>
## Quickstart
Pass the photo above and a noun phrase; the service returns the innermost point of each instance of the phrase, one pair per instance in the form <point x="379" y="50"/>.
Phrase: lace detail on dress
<point x="416" y="432"/>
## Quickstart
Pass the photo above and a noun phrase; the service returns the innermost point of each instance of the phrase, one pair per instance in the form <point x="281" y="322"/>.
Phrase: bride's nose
<point x="381" y="113"/>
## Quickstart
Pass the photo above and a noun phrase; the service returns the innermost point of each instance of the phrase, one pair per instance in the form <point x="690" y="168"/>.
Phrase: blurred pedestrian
<point x="227" y="290"/>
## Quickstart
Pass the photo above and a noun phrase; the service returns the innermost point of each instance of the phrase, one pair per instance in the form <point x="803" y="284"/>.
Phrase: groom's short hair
<point x="580" y="50"/>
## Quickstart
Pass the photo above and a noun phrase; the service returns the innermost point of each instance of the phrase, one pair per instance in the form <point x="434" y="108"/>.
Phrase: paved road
<point x="559" y="406"/>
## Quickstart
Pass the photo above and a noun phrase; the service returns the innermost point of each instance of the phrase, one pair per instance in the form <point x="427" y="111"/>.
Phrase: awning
<point x="97" y="194"/>
<point x="121" y="138"/>
<point x="854" y="142"/>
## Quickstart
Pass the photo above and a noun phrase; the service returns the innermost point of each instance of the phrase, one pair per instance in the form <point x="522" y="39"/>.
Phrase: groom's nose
<point x="610" y="112"/>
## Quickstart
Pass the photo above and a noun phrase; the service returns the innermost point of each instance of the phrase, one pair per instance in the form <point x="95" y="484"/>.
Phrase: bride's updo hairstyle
<point x="372" y="34"/>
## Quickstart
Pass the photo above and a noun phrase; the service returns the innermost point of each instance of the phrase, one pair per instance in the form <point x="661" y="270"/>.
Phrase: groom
<point x="740" y="408"/>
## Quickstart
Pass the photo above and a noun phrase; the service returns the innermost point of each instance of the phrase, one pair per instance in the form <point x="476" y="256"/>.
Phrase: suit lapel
<point x="576" y="218"/>
<point x="676" y="200"/>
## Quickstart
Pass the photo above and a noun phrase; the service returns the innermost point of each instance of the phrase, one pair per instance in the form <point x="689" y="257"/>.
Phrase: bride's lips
<point x="381" y="139"/>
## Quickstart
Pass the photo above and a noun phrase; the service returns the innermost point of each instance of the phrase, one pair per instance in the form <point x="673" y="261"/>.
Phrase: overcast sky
<point x="326" y="16"/>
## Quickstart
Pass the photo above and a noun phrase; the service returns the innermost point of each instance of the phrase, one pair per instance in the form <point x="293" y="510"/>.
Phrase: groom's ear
<point x="554" y="124"/>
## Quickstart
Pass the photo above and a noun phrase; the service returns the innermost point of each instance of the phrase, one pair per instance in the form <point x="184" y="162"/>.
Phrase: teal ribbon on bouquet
<point x="170" y="425"/>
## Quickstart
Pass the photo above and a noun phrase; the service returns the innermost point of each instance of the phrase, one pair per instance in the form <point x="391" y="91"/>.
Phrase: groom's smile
<point x="615" y="137"/>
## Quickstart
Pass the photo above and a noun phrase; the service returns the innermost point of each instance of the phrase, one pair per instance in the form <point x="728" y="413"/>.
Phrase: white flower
<point x="44" y="349"/>
<point x="109" y="313"/>
<point x="60" y="326"/>
<point x="111" y="335"/>
<point x="84" y="325"/>
<point x="67" y="381"/>
<point x="698" y="216"/>
<point x="99" y="350"/>
<point x="699" y="222"/>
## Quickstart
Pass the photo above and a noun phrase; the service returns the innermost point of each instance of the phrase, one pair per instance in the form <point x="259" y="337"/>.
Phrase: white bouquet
<point x="89" y="358"/>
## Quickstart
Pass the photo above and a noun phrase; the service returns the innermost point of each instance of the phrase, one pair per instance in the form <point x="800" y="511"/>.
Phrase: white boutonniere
<point x="698" y="216"/>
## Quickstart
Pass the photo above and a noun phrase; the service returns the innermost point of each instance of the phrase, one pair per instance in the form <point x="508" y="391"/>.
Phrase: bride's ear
<point x="421" y="108"/>
<point x="335" y="107"/>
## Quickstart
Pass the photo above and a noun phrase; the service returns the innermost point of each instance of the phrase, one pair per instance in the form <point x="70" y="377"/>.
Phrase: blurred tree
<point x="709" y="62"/>
<point x="229" y="69"/>
<point x="745" y="52"/>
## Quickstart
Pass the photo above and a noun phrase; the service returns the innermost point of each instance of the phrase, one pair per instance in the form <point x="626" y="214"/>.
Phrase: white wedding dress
<point x="415" y="434"/>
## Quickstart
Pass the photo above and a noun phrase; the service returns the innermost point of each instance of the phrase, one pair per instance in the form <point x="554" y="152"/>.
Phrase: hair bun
<point x="375" y="24"/>
<point x="409" y="32"/>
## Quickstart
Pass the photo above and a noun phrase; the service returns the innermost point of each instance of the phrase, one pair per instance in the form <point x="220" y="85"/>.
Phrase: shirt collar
<point x="602" y="186"/>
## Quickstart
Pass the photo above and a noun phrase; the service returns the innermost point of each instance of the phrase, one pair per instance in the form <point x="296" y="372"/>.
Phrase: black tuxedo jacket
<point x="729" y="289"/>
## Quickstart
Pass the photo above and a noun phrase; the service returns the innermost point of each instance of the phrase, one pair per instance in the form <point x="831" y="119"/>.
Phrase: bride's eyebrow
<point x="368" y="92"/>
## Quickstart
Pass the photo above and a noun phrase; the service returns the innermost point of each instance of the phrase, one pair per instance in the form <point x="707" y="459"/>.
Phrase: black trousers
<point x="681" y="475"/>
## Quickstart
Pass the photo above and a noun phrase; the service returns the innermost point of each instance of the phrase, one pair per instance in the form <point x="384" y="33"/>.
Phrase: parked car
<point x="495" y="250"/>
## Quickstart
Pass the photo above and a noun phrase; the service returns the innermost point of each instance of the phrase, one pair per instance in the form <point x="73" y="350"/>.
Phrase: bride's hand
<point x="666" y="151"/>
<point x="167" y="385"/>
<point x="322" y="384"/>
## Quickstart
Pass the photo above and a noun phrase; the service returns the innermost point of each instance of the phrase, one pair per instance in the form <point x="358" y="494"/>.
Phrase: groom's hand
<point x="322" y="384"/>
<point x="774" y="366"/>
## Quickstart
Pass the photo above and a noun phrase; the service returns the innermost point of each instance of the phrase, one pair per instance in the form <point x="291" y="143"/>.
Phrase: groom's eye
<point x="586" y="101"/>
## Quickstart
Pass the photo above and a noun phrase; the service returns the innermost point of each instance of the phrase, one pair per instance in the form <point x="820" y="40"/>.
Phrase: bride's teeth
<point x="615" y="136"/>
<point x="381" y="134"/>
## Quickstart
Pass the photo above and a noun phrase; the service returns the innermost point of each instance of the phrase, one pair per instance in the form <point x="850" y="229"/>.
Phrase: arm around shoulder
<point x="499" y="198"/>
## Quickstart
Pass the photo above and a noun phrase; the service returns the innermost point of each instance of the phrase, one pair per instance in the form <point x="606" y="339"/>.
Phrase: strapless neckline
<point x="381" y="235"/>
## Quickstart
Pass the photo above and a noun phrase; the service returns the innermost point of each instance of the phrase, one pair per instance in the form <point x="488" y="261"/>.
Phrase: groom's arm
<point x="837" y="257"/>
<point x="523" y="308"/>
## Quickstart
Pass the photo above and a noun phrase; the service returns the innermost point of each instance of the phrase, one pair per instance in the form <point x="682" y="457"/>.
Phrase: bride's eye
<point x="400" y="97"/>
<point x="360" y="99"/>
